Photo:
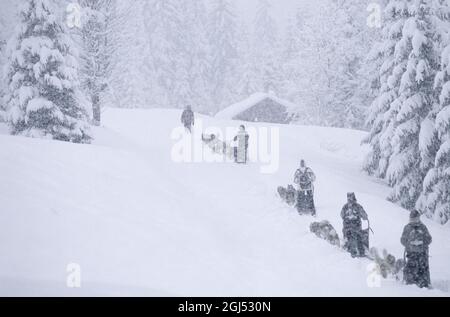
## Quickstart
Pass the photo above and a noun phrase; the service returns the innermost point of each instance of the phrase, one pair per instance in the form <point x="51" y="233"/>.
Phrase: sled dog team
<point x="238" y="151"/>
<point x="415" y="238"/>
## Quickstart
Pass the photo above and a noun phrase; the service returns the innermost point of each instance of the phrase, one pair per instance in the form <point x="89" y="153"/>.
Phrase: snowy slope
<point x="140" y="224"/>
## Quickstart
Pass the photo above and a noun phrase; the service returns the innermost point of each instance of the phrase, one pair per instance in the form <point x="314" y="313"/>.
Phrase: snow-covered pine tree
<point x="266" y="50"/>
<point x="130" y="81"/>
<point x="247" y="85"/>
<point x="368" y="88"/>
<point x="381" y="119"/>
<point x="291" y="55"/>
<point x="297" y="52"/>
<point x="368" y="75"/>
<point x="97" y="41"/>
<point x="2" y="61"/>
<point x="163" y="58"/>
<point x="333" y="39"/>
<point x="355" y="42"/>
<point x="350" y="38"/>
<point x="435" y="199"/>
<point x="407" y="167"/>
<point x="7" y="23"/>
<point x="164" y="27"/>
<point x="43" y="96"/>
<point x="222" y="36"/>
<point x="196" y="57"/>
<point x="3" y="36"/>
<point x="305" y="61"/>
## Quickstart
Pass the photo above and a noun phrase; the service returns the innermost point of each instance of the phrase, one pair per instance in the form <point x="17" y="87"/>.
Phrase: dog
<point x="388" y="265"/>
<point x="288" y="194"/>
<point x="217" y="146"/>
<point x="324" y="230"/>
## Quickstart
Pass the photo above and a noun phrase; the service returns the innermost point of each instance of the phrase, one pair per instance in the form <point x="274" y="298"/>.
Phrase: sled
<point x="365" y="236"/>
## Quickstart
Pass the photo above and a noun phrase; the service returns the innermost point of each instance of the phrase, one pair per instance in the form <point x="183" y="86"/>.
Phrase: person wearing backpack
<point x="187" y="118"/>
<point x="304" y="179"/>
<point x="241" y="149"/>
<point x="416" y="239"/>
<point x="352" y="215"/>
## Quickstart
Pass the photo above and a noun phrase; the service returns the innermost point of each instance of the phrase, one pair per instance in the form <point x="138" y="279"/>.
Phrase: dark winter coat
<point x="187" y="118"/>
<point x="352" y="214"/>
<point x="416" y="238"/>
<point x="240" y="151"/>
<point x="355" y="242"/>
<point x="417" y="269"/>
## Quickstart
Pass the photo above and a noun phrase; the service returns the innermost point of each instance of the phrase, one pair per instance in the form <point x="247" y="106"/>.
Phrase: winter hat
<point x="351" y="197"/>
<point x="415" y="215"/>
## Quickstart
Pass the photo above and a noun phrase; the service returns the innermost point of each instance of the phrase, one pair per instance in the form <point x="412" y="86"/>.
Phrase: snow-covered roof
<point x="237" y="108"/>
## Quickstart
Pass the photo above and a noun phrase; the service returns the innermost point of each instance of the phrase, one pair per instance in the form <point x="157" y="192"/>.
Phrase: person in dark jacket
<point x="187" y="118"/>
<point x="352" y="215"/>
<point x="241" y="147"/>
<point x="304" y="178"/>
<point x="416" y="239"/>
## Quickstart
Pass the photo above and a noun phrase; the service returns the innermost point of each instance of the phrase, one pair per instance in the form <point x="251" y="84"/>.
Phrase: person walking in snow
<point x="416" y="239"/>
<point x="352" y="215"/>
<point x="187" y="118"/>
<point x="304" y="178"/>
<point x="241" y="147"/>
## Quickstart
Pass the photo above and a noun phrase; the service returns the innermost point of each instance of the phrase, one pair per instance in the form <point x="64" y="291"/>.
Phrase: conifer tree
<point x="222" y="29"/>
<point x="381" y="119"/>
<point x="408" y="164"/>
<point x="43" y="95"/>
<point x="435" y="198"/>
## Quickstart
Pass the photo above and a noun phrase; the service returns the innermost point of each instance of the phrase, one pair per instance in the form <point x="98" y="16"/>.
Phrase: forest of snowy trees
<point x="201" y="53"/>
<point x="340" y="65"/>
<point x="168" y="53"/>
<point x="155" y="53"/>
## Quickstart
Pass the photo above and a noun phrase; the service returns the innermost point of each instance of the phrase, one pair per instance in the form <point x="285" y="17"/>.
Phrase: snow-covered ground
<point x="138" y="223"/>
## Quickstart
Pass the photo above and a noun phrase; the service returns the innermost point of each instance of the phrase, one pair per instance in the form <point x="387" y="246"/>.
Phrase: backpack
<point x="351" y="213"/>
<point x="305" y="180"/>
<point x="415" y="237"/>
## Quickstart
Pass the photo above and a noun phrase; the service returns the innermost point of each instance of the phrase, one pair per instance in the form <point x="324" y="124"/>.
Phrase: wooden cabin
<point x="260" y="107"/>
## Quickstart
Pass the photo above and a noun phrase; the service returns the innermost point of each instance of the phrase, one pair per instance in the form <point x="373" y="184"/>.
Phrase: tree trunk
<point x="96" y="110"/>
